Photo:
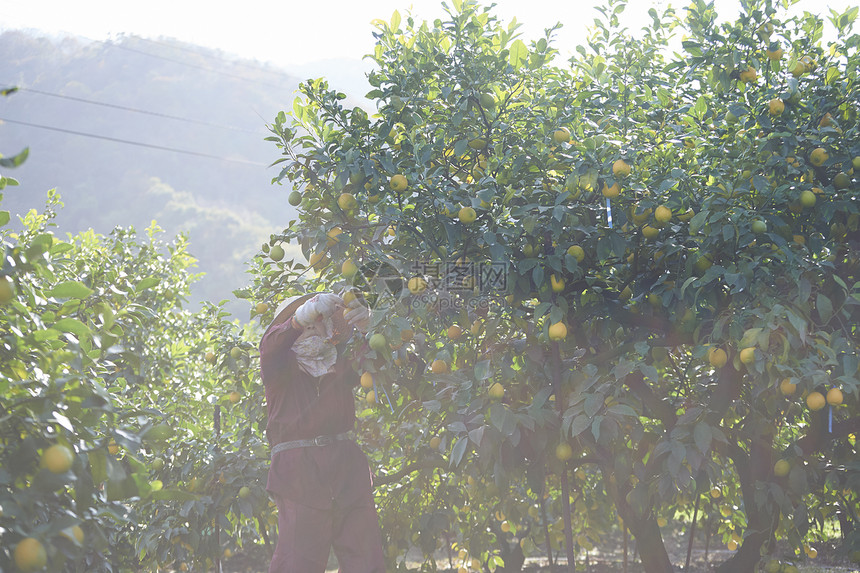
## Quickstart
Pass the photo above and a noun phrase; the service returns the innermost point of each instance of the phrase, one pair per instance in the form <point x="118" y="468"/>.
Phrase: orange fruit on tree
<point x="818" y="156"/>
<point x="611" y="192"/>
<point x="439" y="366"/>
<point x="30" y="555"/>
<point x="347" y="201"/>
<point x="717" y="357"/>
<point x="58" y="459"/>
<point x="563" y="451"/>
<point x="787" y="387"/>
<point x="775" y="107"/>
<point x="834" y="396"/>
<point x="815" y="401"/>
<point x="747" y="355"/>
<point x="621" y="168"/>
<point x="557" y="331"/>
<point x="398" y="182"/>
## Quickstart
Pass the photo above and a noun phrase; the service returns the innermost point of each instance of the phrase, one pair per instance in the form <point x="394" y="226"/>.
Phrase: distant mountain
<point x="196" y="161"/>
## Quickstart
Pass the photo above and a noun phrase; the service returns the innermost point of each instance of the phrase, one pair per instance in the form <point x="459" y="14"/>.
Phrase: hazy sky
<point x="290" y="32"/>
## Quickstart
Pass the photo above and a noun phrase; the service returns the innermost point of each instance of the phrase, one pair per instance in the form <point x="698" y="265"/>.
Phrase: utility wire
<point x="143" y="111"/>
<point x="137" y="143"/>
<point x="190" y="65"/>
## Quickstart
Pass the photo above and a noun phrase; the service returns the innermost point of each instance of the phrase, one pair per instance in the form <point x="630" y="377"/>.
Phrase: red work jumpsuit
<point x="323" y="493"/>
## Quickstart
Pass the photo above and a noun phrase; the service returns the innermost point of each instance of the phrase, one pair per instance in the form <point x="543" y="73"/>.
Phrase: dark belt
<point x="318" y="441"/>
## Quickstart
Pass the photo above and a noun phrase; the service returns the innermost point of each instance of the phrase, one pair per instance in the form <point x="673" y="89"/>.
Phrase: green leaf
<point x="146" y="283"/>
<point x="15" y="160"/>
<point x="458" y="451"/>
<point x="482" y="370"/>
<point x="70" y="289"/>
<point x="702" y="436"/>
<point x="395" y="21"/>
<point x="4" y="218"/>
<point x="72" y="325"/>
<point x="824" y="306"/>
<point x="519" y="53"/>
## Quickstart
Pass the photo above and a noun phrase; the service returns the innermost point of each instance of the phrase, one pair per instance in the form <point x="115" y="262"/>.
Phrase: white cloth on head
<point x="323" y="304"/>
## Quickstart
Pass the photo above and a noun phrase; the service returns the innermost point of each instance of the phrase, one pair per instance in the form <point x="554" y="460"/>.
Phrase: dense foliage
<point x="677" y="236"/>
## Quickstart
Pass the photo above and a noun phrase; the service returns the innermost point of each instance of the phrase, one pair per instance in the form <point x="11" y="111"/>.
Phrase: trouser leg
<point x="358" y="540"/>
<point x="304" y="539"/>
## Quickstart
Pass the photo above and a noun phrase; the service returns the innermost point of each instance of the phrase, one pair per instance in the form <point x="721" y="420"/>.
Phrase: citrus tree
<point x="633" y="265"/>
<point x="110" y="394"/>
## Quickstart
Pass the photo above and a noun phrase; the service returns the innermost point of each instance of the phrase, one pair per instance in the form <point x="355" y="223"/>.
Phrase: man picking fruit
<point x="319" y="477"/>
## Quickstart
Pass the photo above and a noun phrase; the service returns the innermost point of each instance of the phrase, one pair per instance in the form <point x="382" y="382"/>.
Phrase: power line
<point x="143" y="111"/>
<point x="190" y="65"/>
<point x="137" y="143"/>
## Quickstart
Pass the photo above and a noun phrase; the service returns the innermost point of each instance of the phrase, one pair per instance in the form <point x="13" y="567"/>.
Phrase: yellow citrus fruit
<point x="366" y="380"/>
<point x="611" y="192"/>
<point x="725" y="511"/>
<point x="834" y="396"/>
<point x="435" y="441"/>
<point x="663" y="214"/>
<point x="747" y="355"/>
<point x="58" y="459"/>
<point x="6" y="291"/>
<point x="774" y="54"/>
<point x="557" y="331"/>
<point x="841" y="180"/>
<point x="576" y="252"/>
<point x="748" y="75"/>
<point x="467" y="215"/>
<point x="347" y="201"/>
<point x="416" y="285"/>
<point x="563" y="451"/>
<point x="438" y="366"/>
<point x="650" y="232"/>
<point x="30" y="555"/>
<point x="454" y="331"/>
<point x="496" y="391"/>
<point x="815" y="401"/>
<point x="348" y="268"/>
<point x="732" y="545"/>
<point x="234" y="397"/>
<point x="781" y="468"/>
<point x="716" y="492"/>
<point x="621" y="168"/>
<point x="811" y="552"/>
<point x="318" y="261"/>
<point x="775" y="107"/>
<point x="398" y="182"/>
<point x="261" y="308"/>
<point x="787" y="387"/>
<point x="561" y="135"/>
<point x="661" y="522"/>
<point x="717" y="357"/>
<point x="818" y="156"/>
<point x="73" y="533"/>
<point x="807" y="198"/>
<point x="505" y="526"/>
<point x="371" y="397"/>
<point x="557" y="283"/>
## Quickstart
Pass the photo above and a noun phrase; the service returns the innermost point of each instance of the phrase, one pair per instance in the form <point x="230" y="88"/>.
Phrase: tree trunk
<point x="649" y="541"/>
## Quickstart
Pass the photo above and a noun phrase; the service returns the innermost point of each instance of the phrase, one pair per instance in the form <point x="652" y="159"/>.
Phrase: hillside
<point x="180" y="140"/>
